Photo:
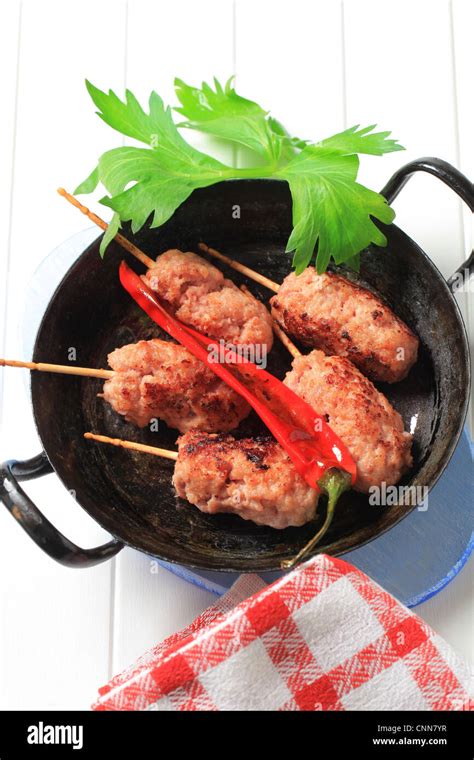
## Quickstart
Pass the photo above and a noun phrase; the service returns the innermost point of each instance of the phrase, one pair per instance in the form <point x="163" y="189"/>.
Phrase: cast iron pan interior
<point x="130" y="494"/>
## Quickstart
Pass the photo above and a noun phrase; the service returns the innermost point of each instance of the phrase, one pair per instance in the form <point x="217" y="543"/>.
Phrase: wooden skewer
<point x="143" y="448"/>
<point x="282" y="336"/>
<point x="260" y="278"/>
<point x="130" y="247"/>
<point x="61" y="369"/>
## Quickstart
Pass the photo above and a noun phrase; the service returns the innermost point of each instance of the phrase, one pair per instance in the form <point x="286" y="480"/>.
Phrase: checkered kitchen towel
<point x="323" y="637"/>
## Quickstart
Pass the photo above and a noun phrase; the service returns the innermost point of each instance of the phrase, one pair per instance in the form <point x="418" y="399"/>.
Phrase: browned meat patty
<point x="200" y="296"/>
<point x="327" y="311"/>
<point x="156" y="379"/>
<point x="253" y="478"/>
<point x="361" y="416"/>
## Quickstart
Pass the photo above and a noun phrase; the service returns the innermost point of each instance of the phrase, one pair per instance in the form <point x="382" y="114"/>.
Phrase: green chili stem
<point x="334" y="482"/>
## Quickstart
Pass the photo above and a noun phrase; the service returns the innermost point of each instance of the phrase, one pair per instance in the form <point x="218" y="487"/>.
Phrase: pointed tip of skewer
<point x="14" y="363"/>
<point x="132" y="445"/>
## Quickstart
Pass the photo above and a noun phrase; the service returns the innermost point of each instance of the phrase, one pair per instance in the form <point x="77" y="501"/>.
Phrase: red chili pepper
<point x="307" y="438"/>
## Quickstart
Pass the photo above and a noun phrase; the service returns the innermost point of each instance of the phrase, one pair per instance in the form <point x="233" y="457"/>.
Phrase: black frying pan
<point x="130" y="494"/>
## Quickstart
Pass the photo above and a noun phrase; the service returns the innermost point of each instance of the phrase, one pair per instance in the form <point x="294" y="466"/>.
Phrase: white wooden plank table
<point x="320" y="66"/>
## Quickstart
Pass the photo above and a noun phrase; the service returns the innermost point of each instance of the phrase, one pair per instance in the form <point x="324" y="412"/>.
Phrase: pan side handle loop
<point x="38" y="527"/>
<point x="451" y="177"/>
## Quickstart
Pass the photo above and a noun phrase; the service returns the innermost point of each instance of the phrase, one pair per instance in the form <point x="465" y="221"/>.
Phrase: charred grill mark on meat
<point x="252" y="477"/>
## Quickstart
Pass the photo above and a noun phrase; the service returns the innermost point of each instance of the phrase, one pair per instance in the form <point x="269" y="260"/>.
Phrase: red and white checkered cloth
<point x="323" y="637"/>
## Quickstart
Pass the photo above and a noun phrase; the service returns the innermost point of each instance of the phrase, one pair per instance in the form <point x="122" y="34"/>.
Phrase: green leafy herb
<point x="355" y="140"/>
<point x="163" y="175"/>
<point x="332" y="213"/>
<point x="331" y="208"/>
<point x="225" y="114"/>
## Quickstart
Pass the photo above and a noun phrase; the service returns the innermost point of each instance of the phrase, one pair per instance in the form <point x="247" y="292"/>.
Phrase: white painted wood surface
<point x="320" y="66"/>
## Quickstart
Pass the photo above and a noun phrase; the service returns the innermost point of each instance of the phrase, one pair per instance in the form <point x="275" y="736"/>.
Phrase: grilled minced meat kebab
<point x="199" y="295"/>
<point x="253" y="478"/>
<point x="157" y="379"/>
<point x="329" y="312"/>
<point x="358" y="413"/>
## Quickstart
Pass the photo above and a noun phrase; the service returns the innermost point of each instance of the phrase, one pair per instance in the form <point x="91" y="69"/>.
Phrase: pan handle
<point x="451" y="177"/>
<point x="43" y="533"/>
